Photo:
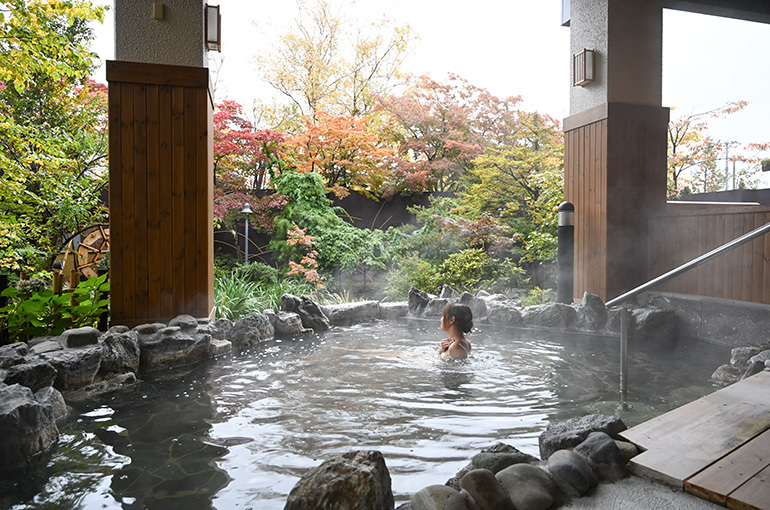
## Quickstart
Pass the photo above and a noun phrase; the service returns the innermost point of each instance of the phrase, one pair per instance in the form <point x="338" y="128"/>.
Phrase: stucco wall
<point x="588" y="29"/>
<point x="177" y="39"/>
<point x="627" y="38"/>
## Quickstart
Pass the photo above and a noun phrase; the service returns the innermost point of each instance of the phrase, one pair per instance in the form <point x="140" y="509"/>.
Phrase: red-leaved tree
<point x="440" y="128"/>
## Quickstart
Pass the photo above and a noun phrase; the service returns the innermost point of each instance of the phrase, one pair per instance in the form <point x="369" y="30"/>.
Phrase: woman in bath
<point x="457" y="319"/>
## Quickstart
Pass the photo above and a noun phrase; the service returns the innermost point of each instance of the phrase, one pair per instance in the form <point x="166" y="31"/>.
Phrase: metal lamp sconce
<point x="213" y="28"/>
<point x="583" y="68"/>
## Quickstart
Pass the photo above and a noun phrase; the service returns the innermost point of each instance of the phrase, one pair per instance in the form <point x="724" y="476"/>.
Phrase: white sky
<point x="518" y="47"/>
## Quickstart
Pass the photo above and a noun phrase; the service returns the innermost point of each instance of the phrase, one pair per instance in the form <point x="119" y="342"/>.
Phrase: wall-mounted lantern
<point x="583" y="68"/>
<point x="213" y="28"/>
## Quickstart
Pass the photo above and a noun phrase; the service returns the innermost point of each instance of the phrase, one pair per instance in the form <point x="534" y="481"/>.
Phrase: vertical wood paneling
<point x="756" y="261"/>
<point x="721" y="238"/>
<point x="738" y="274"/>
<point x="165" y="134"/>
<point x="161" y="192"/>
<point x="141" y="286"/>
<point x="153" y="198"/>
<point x="204" y="201"/>
<point x="177" y="197"/>
<point x="129" y="204"/>
<point x="117" y="307"/>
<point x="190" y="206"/>
<point x="766" y="265"/>
<point x="615" y="167"/>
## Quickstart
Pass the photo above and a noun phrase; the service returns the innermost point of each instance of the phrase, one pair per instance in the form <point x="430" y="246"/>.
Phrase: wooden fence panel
<point x="740" y="274"/>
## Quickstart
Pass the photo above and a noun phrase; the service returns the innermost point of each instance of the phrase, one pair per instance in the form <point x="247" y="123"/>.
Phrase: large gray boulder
<point x="120" y="354"/>
<point x="441" y="497"/>
<point x="353" y="480"/>
<point x="449" y="293"/>
<point x="503" y="312"/>
<point x="52" y="398"/>
<point x="570" y="433"/>
<point x="250" y="330"/>
<point x="311" y="314"/>
<point x="477" y="305"/>
<point x="185" y="322"/>
<point x="591" y="313"/>
<point x="352" y="313"/>
<point x="418" y="300"/>
<point x="13" y="354"/>
<point x="486" y="490"/>
<point x="35" y="374"/>
<point x="28" y="429"/>
<point x="435" y="307"/>
<point x="391" y="311"/>
<point x="572" y="472"/>
<point x="529" y="487"/>
<point x="604" y="454"/>
<point x="75" y="368"/>
<point x="171" y="347"/>
<point x="287" y="324"/>
<point x="499" y="456"/>
<point x="655" y="325"/>
<point x="550" y="315"/>
<point x="79" y="337"/>
<point x="727" y="374"/>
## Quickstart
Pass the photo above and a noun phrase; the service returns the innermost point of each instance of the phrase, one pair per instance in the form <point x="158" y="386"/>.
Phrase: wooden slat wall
<point x="161" y="190"/>
<point x="742" y="273"/>
<point x="615" y="174"/>
<point x="585" y="156"/>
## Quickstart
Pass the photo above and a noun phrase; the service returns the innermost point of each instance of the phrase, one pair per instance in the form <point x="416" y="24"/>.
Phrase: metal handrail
<point x="689" y="265"/>
<point x="624" y="319"/>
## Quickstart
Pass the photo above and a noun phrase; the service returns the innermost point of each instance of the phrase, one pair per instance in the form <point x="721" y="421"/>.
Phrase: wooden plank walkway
<point x="717" y="447"/>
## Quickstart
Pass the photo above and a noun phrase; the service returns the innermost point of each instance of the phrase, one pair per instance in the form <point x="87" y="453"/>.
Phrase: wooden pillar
<point x="161" y="192"/>
<point x="615" y="175"/>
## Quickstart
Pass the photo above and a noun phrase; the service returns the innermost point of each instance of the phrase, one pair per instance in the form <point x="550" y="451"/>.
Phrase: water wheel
<point x="84" y="250"/>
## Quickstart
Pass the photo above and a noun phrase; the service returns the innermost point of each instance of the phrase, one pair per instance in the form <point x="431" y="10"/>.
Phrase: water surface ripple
<point x="239" y="433"/>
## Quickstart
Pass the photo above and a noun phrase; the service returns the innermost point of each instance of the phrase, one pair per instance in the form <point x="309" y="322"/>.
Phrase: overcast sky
<point x="519" y="47"/>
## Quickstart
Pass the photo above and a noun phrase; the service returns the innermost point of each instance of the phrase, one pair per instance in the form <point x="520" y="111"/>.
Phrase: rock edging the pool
<point x="36" y="377"/>
<point x="576" y="454"/>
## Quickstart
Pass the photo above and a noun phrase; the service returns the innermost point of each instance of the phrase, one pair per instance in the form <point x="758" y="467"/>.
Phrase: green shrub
<point x="258" y="272"/>
<point x="537" y="296"/>
<point x="32" y="313"/>
<point x="224" y="264"/>
<point x="235" y="297"/>
<point x="409" y="271"/>
<point x="468" y="270"/>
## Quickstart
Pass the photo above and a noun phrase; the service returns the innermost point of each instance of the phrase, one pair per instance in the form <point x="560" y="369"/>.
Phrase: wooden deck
<point x="717" y="447"/>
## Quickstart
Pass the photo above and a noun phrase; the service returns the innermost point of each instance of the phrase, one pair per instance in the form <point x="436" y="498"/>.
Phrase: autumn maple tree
<point x="440" y="128"/>
<point x="344" y="152"/>
<point x="244" y="160"/>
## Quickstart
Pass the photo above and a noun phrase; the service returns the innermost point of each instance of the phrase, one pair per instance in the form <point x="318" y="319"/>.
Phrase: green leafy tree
<point x="53" y="136"/>
<point x="519" y="180"/>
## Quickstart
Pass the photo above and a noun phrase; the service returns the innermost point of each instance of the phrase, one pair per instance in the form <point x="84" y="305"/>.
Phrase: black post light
<point x="566" y="253"/>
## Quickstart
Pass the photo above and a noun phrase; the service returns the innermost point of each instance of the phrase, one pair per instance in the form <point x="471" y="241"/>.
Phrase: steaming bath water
<point x="239" y="433"/>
